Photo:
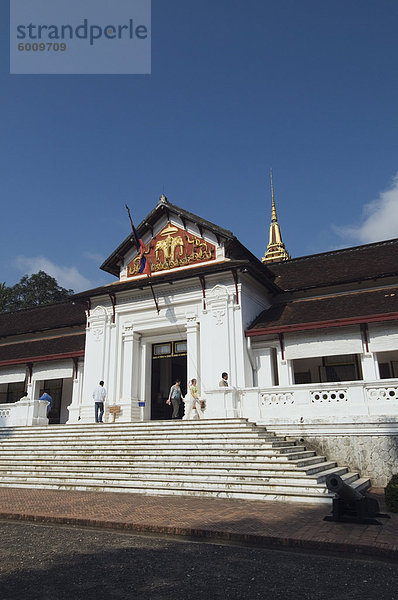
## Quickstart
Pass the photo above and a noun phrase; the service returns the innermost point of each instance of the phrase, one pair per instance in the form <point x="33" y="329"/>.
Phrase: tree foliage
<point x="391" y="494"/>
<point x="32" y="291"/>
<point x="4" y="296"/>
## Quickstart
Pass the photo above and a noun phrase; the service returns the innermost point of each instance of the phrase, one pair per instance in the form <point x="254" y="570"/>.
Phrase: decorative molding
<point x="98" y="316"/>
<point x="277" y="398"/>
<point x="323" y="396"/>
<point x="219" y="315"/>
<point x="217" y="301"/>
<point x="128" y="333"/>
<point x="383" y="394"/>
<point x="219" y="293"/>
<point x="97" y="333"/>
<point x="191" y="319"/>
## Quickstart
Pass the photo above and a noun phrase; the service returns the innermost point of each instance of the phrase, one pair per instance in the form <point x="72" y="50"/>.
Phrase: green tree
<point x="32" y="291"/>
<point x="4" y="296"/>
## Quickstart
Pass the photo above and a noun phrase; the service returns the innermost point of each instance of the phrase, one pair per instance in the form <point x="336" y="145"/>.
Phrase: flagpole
<point x="138" y="249"/>
<point x="153" y="294"/>
<point x="131" y="220"/>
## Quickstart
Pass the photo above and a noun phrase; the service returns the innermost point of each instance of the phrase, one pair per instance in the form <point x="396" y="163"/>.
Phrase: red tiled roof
<point x="70" y="345"/>
<point x="340" y="266"/>
<point x="328" y="309"/>
<point x="42" y="318"/>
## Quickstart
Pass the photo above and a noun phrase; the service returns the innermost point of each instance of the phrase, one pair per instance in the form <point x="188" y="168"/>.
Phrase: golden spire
<point x="276" y="250"/>
<point x="274" y="218"/>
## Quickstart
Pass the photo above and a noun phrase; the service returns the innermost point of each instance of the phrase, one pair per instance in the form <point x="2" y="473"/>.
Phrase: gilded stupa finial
<point x="276" y="250"/>
<point x="274" y="218"/>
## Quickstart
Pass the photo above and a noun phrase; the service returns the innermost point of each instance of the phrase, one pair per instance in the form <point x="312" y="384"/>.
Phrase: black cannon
<point x="351" y="506"/>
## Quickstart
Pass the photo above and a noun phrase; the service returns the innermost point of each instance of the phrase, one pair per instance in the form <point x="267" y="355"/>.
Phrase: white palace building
<point x="310" y="344"/>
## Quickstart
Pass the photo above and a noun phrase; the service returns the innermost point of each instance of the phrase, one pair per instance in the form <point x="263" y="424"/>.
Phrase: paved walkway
<point x="277" y="524"/>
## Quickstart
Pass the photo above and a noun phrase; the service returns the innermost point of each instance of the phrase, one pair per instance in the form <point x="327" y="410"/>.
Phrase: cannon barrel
<point x="335" y="484"/>
<point x="350" y="505"/>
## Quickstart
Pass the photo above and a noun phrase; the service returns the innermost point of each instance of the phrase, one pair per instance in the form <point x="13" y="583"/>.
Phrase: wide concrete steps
<point x="184" y="468"/>
<point x="182" y="475"/>
<point x="223" y="458"/>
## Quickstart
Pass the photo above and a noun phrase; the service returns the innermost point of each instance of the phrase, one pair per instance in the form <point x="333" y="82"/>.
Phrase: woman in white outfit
<point x="192" y="403"/>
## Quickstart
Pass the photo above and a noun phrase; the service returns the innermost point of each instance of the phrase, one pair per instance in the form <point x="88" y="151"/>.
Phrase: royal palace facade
<point x="310" y="344"/>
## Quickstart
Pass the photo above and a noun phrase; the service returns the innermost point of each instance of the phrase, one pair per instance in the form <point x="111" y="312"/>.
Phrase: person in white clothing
<point x="194" y="407"/>
<point x="99" y="395"/>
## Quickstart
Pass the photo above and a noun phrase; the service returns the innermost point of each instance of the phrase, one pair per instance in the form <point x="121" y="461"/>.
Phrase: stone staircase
<point x="229" y="458"/>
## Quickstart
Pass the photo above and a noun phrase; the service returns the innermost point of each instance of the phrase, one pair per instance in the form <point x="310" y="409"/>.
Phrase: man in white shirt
<point x="99" y="395"/>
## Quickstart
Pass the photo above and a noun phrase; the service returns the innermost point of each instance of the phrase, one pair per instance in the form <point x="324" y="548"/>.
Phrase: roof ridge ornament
<point x="163" y="200"/>
<point x="276" y="250"/>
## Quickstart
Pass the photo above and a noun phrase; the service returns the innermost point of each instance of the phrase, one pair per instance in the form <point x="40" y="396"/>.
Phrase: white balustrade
<point x="303" y="403"/>
<point x="223" y="403"/>
<point x="298" y="403"/>
<point x="24" y="412"/>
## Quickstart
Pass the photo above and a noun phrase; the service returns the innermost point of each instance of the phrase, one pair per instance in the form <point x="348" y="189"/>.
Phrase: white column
<point x="34" y="391"/>
<point x="215" y="349"/>
<point x="193" y="355"/>
<point x="77" y="389"/>
<point x="285" y="370"/>
<point x="265" y="373"/>
<point x="94" y="361"/>
<point x="145" y="381"/>
<point x="130" y="384"/>
<point x="370" y="367"/>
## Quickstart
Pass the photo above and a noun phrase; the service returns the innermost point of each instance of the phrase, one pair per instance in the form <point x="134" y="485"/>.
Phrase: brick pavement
<point x="278" y="524"/>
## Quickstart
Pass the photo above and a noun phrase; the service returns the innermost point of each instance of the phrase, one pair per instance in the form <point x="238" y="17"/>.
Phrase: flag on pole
<point x="145" y="267"/>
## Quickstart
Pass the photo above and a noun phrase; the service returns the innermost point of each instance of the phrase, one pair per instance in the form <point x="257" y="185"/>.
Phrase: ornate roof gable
<point x="199" y="241"/>
<point x="173" y="248"/>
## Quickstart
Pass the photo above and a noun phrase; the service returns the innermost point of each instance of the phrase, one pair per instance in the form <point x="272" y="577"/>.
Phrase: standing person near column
<point x="99" y="395"/>
<point x="175" y="398"/>
<point x="224" y="380"/>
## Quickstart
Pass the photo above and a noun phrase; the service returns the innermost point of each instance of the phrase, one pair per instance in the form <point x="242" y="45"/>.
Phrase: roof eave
<point x="244" y="266"/>
<point x="254" y="332"/>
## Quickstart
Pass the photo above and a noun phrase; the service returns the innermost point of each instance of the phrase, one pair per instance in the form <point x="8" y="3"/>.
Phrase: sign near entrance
<point x="171" y="248"/>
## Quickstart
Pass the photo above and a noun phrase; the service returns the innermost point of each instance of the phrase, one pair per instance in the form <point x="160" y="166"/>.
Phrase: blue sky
<point x="309" y="88"/>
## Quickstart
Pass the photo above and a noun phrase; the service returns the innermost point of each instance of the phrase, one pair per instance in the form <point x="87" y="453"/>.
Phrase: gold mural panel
<point x="172" y="248"/>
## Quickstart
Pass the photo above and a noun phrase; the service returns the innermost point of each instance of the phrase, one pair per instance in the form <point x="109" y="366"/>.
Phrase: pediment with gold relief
<point x="173" y="248"/>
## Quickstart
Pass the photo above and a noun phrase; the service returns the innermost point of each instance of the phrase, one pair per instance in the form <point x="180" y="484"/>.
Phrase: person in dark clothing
<point x="175" y="399"/>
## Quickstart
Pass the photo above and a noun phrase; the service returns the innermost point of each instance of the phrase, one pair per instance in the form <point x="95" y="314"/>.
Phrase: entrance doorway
<point x="54" y="388"/>
<point x="169" y="362"/>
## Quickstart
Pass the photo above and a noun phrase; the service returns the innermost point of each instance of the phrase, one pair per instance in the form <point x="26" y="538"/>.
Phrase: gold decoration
<point x="173" y="248"/>
<point x="276" y="250"/>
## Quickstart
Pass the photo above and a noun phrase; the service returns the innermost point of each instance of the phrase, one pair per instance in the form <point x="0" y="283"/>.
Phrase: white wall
<point x="323" y="342"/>
<point x="254" y="299"/>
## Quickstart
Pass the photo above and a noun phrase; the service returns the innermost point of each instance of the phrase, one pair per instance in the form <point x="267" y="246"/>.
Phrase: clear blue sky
<point x="309" y="88"/>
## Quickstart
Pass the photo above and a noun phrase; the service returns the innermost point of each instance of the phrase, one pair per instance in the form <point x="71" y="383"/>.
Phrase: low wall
<point x="24" y="412"/>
